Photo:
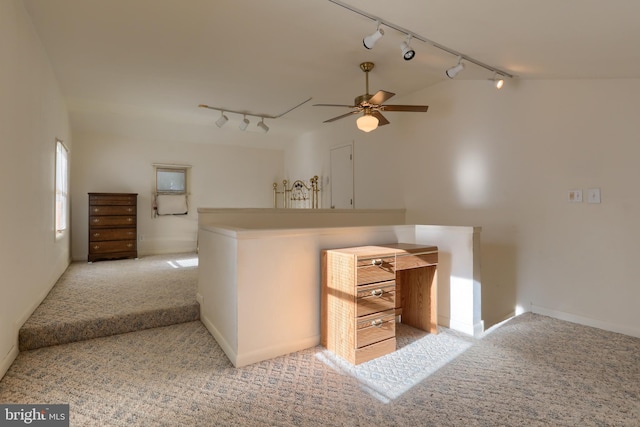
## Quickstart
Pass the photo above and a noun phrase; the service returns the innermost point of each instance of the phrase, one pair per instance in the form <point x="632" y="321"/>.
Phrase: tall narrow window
<point x="62" y="187"/>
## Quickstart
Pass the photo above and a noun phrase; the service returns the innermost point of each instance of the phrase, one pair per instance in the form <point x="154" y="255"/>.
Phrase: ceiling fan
<point x="371" y="106"/>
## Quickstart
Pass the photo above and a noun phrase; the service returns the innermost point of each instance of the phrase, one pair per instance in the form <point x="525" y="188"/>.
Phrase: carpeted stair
<point x="114" y="297"/>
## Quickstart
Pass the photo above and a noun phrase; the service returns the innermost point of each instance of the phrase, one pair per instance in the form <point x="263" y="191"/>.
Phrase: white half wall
<point x="259" y="289"/>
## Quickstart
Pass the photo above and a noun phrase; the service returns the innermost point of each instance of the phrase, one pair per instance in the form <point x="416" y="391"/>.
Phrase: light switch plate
<point x="593" y="195"/>
<point x="575" y="196"/>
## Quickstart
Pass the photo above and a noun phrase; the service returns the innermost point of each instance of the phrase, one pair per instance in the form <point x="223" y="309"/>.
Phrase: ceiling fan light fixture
<point x="222" y="120"/>
<point x="367" y="122"/>
<point x="263" y="126"/>
<point x="244" y="124"/>
<point x="371" y="39"/>
<point x="453" y="71"/>
<point x="407" y="52"/>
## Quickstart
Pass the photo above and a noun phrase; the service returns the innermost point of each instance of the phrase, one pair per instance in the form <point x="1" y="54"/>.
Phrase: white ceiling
<point x="128" y="63"/>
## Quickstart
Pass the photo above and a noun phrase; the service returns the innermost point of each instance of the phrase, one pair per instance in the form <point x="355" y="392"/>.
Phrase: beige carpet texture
<point x="530" y="371"/>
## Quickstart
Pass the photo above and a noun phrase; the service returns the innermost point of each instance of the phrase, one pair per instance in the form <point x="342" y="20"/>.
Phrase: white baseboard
<point x="250" y="357"/>
<point x="634" y="332"/>
<point x="226" y="347"/>
<point x="475" y="330"/>
<point x="6" y="362"/>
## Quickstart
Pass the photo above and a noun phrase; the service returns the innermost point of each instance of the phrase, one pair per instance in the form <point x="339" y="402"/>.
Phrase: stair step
<point x="54" y="333"/>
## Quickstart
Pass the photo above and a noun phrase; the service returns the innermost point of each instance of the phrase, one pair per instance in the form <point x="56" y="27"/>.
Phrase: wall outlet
<point x="575" y="196"/>
<point x="593" y="195"/>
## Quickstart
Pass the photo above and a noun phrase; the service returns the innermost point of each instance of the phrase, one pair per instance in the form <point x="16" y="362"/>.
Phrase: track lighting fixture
<point x="244" y="123"/>
<point x="222" y="120"/>
<point x="371" y="40"/>
<point x="367" y="122"/>
<point x="262" y="125"/>
<point x="453" y="71"/>
<point x="497" y="81"/>
<point x="407" y="52"/>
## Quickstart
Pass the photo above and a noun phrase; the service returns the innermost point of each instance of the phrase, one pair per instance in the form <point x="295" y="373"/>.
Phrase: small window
<point x="170" y="180"/>
<point x="62" y="188"/>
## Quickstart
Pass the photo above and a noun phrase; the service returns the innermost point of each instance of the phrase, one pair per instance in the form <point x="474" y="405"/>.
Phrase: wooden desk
<point x="364" y="290"/>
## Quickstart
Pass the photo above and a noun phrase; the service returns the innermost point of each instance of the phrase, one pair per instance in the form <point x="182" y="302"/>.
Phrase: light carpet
<point x="531" y="371"/>
<point x="92" y="300"/>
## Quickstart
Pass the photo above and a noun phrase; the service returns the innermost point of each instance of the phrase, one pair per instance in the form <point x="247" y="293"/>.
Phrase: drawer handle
<point x="130" y="210"/>
<point x="129" y="245"/>
<point x="96" y="209"/>
<point x="96" y="219"/>
<point x="96" y="247"/>
<point x="96" y="234"/>
<point x="377" y="323"/>
<point x="377" y="292"/>
<point x="376" y="262"/>
<point x="129" y="219"/>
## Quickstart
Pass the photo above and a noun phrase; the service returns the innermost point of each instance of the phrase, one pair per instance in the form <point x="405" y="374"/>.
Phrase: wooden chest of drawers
<point x="112" y="226"/>
<point x="361" y="297"/>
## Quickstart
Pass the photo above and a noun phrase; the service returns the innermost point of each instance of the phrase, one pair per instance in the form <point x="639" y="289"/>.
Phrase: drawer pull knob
<point x="377" y="323"/>
<point x="377" y="292"/>
<point x="96" y="247"/>
<point x="96" y="209"/>
<point x="129" y="210"/>
<point x="96" y="234"/>
<point x="129" y="219"/>
<point x="376" y="262"/>
<point x="129" y="245"/>
<point x="96" y="220"/>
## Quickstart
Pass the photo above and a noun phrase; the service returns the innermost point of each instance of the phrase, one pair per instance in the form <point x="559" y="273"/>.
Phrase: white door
<point x="342" y="177"/>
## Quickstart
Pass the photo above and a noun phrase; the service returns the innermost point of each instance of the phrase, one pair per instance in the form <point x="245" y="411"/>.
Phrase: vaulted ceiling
<point x="122" y="62"/>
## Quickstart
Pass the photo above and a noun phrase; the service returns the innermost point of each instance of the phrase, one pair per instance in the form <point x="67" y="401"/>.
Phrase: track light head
<point x="244" y="124"/>
<point x="222" y="120"/>
<point x="407" y="52"/>
<point x="453" y="71"/>
<point x="371" y="40"/>
<point x="263" y="126"/>
<point x="498" y="82"/>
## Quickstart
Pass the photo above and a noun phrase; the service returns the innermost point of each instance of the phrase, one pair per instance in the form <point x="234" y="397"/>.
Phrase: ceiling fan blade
<point x="380" y="96"/>
<point x="416" y="108"/>
<point x="335" y="105"/>
<point x="381" y="119"/>
<point x="340" y="117"/>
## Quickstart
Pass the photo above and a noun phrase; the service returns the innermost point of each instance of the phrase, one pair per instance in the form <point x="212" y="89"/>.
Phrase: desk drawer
<point x="370" y="352"/>
<point x="376" y="327"/>
<point x="405" y="262"/>
<point x="373" y="270"/>
<point x="376" y="297"/>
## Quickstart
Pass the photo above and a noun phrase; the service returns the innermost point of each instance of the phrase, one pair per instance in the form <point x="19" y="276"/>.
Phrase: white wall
<point x="32" y="116"/>
<point x="376" y="178"/>
<point x="505" y="160"/>
<point x="220" y="176"/>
